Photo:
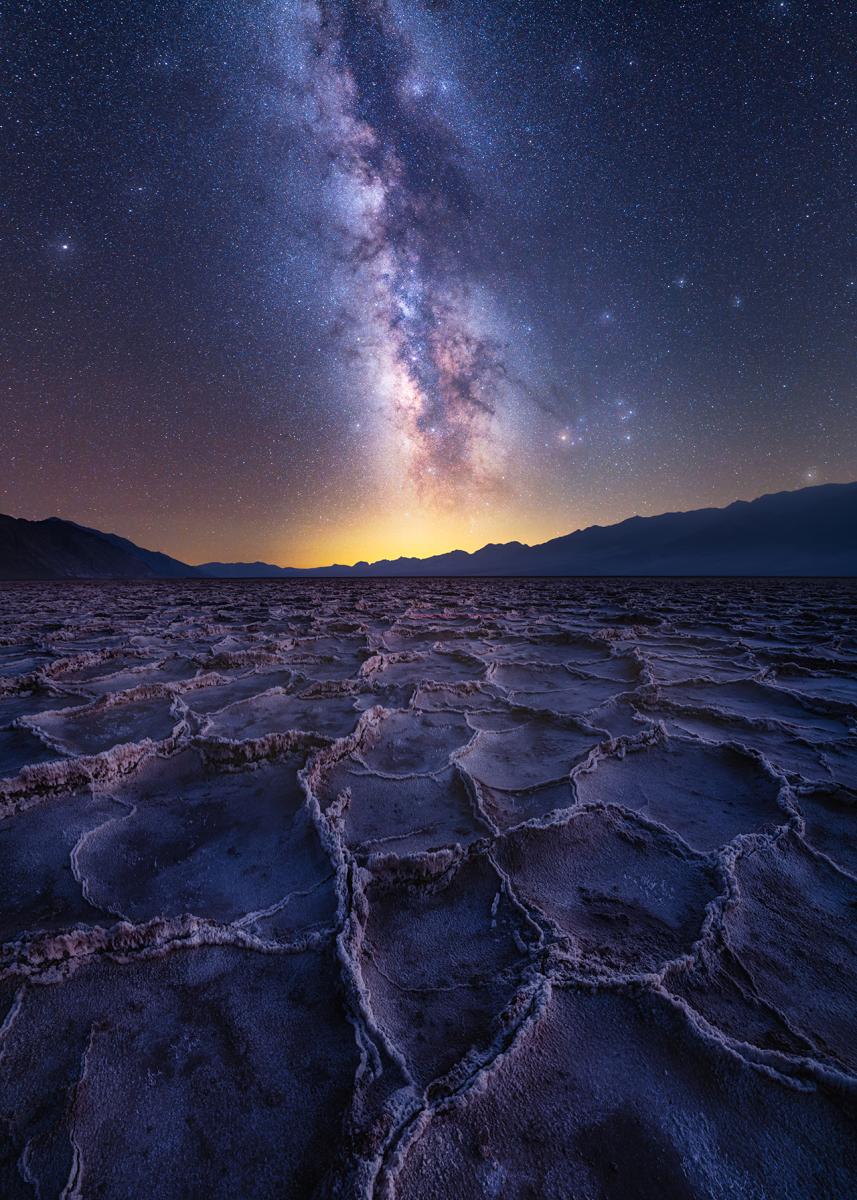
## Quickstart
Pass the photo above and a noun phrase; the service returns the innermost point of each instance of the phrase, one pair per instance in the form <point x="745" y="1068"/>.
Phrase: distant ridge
<point x="812" y="531"/>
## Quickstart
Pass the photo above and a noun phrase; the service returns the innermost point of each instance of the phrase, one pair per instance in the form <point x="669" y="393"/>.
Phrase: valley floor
<point x="429" y="888"/>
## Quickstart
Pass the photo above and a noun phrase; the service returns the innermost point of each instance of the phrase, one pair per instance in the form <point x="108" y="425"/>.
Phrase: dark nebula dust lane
<point x="405" y="276"/>
<point x="416" y="889"/>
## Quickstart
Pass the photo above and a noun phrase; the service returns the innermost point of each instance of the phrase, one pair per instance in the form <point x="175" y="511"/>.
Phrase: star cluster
<point x="316" y="280"/>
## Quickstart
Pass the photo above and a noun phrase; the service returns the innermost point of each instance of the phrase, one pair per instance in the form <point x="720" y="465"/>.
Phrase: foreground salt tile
<point x="538" y="748"/>
<point x="830" y="816"/>
<point x="628" y="895"/>
<point x="436" y="995"/>
<point x="277" y="711"/>
<point x="216" y="1072"/>
<point x="41" y="887"/>
<point x="798" y="948"/>
<point x="194" y="839"/>
<point x="143" y="713"/>
<point x="615" y="1095"/>
<point x="706" y="794"/>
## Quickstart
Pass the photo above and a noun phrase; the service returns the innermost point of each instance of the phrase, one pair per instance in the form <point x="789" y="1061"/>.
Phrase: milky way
<point x="400" y="202"/>
<point x="312" y="282"/>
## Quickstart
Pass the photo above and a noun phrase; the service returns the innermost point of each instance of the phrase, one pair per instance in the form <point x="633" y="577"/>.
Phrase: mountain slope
<point x="162" y="566"/>
<point x="56" y="549"/>
<point x="808" y="532"/>
<point x="812" y="531"/>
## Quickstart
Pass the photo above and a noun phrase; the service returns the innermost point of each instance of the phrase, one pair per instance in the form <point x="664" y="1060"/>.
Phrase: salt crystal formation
<point x="429" y="888"/>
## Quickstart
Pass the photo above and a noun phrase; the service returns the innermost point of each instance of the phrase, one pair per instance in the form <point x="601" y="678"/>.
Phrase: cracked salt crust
<point x="429" y="888"/>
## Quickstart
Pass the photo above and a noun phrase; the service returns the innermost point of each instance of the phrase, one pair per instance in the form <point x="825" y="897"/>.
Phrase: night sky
<point x="311" y="282"/>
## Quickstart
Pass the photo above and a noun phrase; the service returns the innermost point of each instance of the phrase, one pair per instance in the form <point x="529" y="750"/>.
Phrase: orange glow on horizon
<point x="409" y="534"/>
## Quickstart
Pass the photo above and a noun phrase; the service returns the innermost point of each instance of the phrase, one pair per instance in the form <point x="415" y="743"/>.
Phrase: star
<point x="436" y="265"/>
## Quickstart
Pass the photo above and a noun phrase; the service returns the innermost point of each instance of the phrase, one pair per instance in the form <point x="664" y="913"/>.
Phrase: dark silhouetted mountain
<point x="808" y="532"/>
<point x="253" y="570"/>
<point x="812" y="531"/>
<point x="56" y="549"/>
<point x="162" y="566"/>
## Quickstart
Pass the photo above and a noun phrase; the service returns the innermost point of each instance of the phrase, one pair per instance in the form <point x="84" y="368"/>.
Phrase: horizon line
<point x="332" y="566"/>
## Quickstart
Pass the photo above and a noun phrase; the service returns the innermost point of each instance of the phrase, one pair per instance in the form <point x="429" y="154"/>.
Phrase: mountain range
<point x="812" y="531"/>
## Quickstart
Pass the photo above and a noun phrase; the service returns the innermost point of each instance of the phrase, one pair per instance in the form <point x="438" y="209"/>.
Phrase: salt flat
<point x="429" y="888"/>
